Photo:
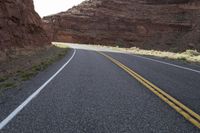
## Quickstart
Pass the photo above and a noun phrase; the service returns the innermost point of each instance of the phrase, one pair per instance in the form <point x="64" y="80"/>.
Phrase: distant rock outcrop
<point x="20" y="25"/>
<point x="151" y="24"/>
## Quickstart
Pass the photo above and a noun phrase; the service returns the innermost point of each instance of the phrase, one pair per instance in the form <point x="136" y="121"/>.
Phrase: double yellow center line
<point x="190" y="115"/>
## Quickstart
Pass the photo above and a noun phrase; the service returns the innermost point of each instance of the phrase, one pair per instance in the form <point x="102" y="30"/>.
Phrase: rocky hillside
<point x="20" y="25"/>
<point x="172" y="25"/>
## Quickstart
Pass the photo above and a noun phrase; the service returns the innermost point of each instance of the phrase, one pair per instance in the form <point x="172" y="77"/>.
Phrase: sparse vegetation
<point x="192" y="56"/>
<point x="120" y="43"/>
<point x="26" y="75"/>
<point x="37" y="62"/>
<point x="7" y="85"/>
<point x="192" y="52"/>
<point x="189" y="56"/>
<point x="2" y="79"/>
<point x="29" y="73"/>
<point x="182" y="58"/>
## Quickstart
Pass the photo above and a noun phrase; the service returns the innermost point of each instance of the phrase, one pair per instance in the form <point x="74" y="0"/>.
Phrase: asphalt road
<point x="92" y="95"/>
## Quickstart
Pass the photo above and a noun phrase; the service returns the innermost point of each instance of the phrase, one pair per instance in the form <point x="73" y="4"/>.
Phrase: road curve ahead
<point x="93" y="95"/>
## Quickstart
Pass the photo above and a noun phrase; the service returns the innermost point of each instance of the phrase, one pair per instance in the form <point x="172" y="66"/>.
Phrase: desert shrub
<point x="192" y="52"/>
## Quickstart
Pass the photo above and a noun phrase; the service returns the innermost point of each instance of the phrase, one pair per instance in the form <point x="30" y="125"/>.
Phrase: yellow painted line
<point x="187" y="113"/>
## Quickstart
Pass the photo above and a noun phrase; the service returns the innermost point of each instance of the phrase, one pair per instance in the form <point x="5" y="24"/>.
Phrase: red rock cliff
<point x="20" y="25"/>
<point x="151" y="24"/>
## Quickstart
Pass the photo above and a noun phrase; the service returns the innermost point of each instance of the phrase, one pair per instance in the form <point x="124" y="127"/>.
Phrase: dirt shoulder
<point x="188" y="56"/>
<point x="23" y="64"/>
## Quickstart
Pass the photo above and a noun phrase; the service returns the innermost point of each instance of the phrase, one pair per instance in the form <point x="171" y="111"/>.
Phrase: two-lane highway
<point x="180" y="83"/>
<point x="91" y="94"/>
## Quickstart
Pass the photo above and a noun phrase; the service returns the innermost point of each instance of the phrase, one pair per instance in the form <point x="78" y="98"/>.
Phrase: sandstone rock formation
<point x="20" y="25"/>
<point x="172" y="25"/>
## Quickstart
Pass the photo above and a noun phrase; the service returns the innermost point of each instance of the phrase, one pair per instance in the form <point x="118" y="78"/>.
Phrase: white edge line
<point x="31" y="97"/>
<point x="168" y="64"/>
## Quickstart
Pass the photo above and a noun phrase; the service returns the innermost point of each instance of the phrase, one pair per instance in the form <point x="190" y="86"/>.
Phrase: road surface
<point x="93" y="95"/>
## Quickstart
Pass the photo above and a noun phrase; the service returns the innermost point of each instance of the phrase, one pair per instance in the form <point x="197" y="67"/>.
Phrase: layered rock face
<point x="172" y="25"/>
<point x="20" y="25"/>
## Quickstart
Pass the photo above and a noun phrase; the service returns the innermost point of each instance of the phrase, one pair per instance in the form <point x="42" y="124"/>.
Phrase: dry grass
<point x="189" y="55"/>
<point x="60" y="45"/>
<point x="21" y="67"/>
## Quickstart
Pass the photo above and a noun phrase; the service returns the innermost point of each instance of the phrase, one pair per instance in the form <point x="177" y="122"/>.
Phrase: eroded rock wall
<point x="172" y="25"/>
<point x="20" y="25"/>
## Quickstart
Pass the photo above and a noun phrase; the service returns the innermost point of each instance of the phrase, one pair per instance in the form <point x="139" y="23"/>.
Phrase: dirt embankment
<point x="25" y="65"/>
<point x="24" y="45"/>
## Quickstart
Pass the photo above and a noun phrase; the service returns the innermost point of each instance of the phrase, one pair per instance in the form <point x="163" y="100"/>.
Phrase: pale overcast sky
<point x="48" y="7"/>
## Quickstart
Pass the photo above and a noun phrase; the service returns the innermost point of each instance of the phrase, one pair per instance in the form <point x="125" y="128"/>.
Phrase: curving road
<point x="93" y="95"/>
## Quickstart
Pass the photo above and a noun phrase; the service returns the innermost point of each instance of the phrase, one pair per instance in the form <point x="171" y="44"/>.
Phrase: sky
<point x="48" y="7"/>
